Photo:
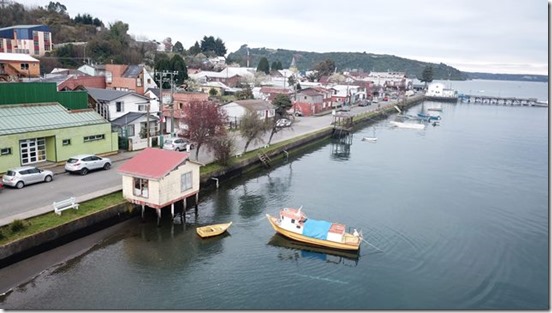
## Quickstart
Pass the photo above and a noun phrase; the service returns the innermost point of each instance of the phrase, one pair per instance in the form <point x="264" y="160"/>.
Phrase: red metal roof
<point x="153" y="163"/>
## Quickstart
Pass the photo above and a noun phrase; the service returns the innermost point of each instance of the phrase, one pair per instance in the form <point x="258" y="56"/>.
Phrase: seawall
<point x="26" y="247"/>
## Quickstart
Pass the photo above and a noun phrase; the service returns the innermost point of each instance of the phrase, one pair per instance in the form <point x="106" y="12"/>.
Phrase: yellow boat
<point x="212" y="230"/>
<point x="295" y="225"/>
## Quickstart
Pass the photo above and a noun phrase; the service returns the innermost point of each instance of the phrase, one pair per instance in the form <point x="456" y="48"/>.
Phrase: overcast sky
<point x="494" y="36"/>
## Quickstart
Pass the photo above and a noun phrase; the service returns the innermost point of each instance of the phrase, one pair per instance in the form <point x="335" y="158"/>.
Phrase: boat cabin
<point x="292" y="219"/>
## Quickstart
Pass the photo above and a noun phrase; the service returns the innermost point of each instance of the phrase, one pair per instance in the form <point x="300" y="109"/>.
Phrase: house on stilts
<point x="158" y="178"/>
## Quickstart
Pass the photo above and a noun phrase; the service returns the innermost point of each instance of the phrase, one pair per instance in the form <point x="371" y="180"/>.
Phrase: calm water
<point x="460" y="212"/>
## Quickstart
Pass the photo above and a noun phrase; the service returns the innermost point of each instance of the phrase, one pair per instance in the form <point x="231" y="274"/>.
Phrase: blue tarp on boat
<point x="316" y="229"/>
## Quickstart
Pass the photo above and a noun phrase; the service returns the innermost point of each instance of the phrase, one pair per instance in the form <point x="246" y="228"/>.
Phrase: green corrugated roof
<point x="43" y="116"/>
<point x="39" y="92"/>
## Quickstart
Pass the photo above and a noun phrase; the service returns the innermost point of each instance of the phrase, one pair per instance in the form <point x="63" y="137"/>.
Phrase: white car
<point x="84" y="163"/>
<point x="283" y="122"/>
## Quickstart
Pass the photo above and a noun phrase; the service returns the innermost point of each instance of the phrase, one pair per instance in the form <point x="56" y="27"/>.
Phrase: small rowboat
<point x="212" y="230"/>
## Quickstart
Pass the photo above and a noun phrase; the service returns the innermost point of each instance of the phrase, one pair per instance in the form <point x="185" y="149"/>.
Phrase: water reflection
<point x="294" y="250"/>
<point x="341" y="147"/>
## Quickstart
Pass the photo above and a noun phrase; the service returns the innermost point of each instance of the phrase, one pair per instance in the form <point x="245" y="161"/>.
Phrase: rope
<point x="372" y="245"/>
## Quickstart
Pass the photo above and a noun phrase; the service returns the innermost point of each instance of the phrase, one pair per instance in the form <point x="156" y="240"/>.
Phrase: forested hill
<point x="367" y="62"/>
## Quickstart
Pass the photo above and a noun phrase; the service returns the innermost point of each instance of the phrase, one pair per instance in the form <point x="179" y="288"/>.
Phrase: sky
<point x="492" y="36"/>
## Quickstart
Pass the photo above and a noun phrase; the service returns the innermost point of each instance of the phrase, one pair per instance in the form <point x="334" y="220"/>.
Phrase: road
<point x="37" y="199"/>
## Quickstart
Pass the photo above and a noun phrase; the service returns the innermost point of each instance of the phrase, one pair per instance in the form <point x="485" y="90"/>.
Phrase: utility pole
<point x="147" y="123"/>
<point x="172" y="100"/>
<point x="162" y="117"/>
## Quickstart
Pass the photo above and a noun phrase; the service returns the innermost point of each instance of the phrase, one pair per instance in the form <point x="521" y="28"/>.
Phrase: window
<point x="66" y="142"/>
<point x="119" y="106"/>
<point x="186" y="181"/>
<point x="94" y="138"/>
<point x="5" y="151"/>
<point x="25" y="66"/>
<point x="141" y="187"/>
<point x="130" y="131"/>
<point x="142" y="107"/>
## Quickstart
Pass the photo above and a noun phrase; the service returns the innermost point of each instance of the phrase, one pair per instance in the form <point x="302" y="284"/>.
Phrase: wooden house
<point x="158" y="178"/>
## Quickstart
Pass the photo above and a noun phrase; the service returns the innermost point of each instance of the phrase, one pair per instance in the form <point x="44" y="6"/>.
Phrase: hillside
<point x="349" y="61"/>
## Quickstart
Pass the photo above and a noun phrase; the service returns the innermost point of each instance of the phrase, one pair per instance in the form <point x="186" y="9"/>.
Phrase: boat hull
<point x="441" y="99"/>
<point x="212" y="230"/>
<point x="350" y="242"/>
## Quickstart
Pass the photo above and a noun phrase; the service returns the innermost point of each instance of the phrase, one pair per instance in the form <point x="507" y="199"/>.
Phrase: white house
<point x="172" y="178"/>
<point x="236" y="110"/>
<point x="112" y="104"/>
<point x="132" y="130"/>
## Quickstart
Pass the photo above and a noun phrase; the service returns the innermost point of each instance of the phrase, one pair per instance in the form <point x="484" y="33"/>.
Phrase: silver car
<point x="85" y="163"/>
<point x="26" y="175"/>
<point x="177" y="144"/>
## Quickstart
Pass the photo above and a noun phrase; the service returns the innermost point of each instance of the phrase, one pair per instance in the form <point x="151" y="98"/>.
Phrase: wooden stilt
<point x="143" y="210"/>
<point x="196" y="201"/>
<point x="172" y="211"/>
<point x="158" y="216"/>
<point x="184" y="210"/>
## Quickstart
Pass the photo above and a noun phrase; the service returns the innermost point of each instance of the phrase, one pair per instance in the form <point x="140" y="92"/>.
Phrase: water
<point x="460" y="212"/>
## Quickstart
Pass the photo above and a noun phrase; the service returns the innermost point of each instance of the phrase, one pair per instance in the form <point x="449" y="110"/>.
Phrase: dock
<point x="494" y="100"/>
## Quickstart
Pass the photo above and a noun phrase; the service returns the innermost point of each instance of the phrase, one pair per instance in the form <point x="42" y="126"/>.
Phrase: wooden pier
<point x="493" y="100"/>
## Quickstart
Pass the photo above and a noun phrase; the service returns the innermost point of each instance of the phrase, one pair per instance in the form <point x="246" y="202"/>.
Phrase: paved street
<point x="37" y="199"/>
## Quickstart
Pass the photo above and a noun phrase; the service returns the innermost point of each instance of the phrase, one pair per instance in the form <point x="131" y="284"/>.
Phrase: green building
<point x="33" y="132"/>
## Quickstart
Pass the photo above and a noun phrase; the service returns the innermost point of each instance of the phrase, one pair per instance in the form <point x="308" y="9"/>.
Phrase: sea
<point x="454" y="217"/>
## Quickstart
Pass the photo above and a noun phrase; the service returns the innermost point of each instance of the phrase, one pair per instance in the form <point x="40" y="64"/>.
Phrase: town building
<point x="26" y="39"/>
<point x="14" y="66"/>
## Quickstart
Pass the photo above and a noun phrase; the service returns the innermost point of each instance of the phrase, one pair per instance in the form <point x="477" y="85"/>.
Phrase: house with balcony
<point x="26" y="39"/>
<point x="114" y="105"/>
<point x="14" y="66"/>
<point x="158" y="178"/>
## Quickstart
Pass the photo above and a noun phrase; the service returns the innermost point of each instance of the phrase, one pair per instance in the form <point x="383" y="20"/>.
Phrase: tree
<point x="244" y="94"/>
<point x="205" y="121"/>
<point x="208" y="45"/>
<point x="178" y="48"/>
<point x="282" y="104"/>
<point x="252" y="128"/>
<point x="220" y="47"/>
<point x="223" y="148"/>
<point x="195" y="49"/>
<point x="276" y="65"/>
<point x="177" y="64"/>
<point x="263" y="66"/>
<point x="325" y="68"/>
<point x="427" y="75"/>
<point x="57" y="7"/>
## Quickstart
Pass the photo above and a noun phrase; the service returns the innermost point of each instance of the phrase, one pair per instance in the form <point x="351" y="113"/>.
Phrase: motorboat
<point x="212" y="230"/>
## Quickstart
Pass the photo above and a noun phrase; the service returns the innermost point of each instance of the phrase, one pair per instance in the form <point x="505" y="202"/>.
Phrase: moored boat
<point x="212" y="230"/>
<point x="294" y="224"/>
<point x="407" y="125"/>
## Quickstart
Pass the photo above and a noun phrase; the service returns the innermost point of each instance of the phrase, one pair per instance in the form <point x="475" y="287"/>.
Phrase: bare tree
<point x="252" y="128"/>
<point x="205" y="122"/>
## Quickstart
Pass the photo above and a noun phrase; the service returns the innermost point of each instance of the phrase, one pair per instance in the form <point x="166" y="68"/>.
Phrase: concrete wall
<point x="35" y="244"/>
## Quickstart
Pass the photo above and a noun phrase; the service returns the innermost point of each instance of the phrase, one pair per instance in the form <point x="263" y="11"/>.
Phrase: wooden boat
<point x="294" y="224"/>
<point x="212" y="230"/>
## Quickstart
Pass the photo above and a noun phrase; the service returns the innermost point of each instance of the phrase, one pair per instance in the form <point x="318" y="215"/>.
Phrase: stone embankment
<point x="35" y="244"/>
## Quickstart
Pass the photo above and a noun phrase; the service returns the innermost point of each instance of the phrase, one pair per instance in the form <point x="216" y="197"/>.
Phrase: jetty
<point x="494" y="100"/>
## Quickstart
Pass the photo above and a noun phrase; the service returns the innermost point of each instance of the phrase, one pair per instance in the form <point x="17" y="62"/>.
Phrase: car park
<point x="26" y="175"/>
<point x="178" y="144"/>
<point x="283" y="122"/>
<point x="84" y="163"/>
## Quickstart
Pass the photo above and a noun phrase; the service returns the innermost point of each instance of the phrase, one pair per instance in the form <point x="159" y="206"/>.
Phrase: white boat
<point x="407" y="125"/>
<point x="370" y="139"/>
<point x="294" y="224"/>
<point x="438" y="92"/>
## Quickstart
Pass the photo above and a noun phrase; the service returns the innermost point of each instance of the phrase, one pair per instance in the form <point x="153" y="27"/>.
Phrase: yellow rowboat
<point x="294" y="224"/>
<point x="212" y="230"/>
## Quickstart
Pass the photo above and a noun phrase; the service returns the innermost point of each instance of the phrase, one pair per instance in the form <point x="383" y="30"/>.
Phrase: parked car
<point x="178" y="144"/>
<point x="22" y="176"/>
<point x="283" y="122"/>
<point x="83" y="163"/>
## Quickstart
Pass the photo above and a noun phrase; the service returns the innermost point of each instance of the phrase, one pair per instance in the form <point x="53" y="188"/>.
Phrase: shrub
<point x="17" y="225"/>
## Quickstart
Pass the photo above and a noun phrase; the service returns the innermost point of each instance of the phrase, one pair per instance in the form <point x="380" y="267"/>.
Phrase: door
<point x="32" y="150"/>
